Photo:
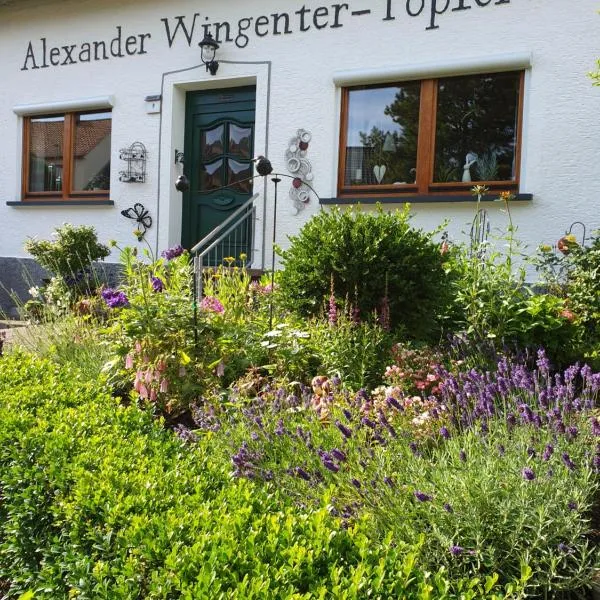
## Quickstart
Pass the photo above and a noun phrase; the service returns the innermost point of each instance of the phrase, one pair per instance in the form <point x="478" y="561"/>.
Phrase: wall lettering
<point x="190" y="29"/>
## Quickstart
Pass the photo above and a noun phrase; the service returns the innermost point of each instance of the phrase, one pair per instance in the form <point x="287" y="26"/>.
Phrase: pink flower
<point x="153" y="395"/>
<point x="164" y="386"/>
<point x="212" y="304"/>
<point x="143" y="391"/>
<point x="129" y="362"/>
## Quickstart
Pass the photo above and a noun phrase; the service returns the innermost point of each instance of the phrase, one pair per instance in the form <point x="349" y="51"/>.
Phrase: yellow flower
<point x="229" y="259"/>
<point x="545" y="248"/>
<point x="479" y="190"/>
<point x="243" y="256"/>
<point x="506" y="196"/>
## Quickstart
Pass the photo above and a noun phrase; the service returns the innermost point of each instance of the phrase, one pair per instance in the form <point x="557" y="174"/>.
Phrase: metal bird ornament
<point x="182" y="184"/>
<point x="263" y="165"/>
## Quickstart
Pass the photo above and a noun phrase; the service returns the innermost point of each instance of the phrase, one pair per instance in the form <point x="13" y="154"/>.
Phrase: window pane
<point x="212" y="142"/>
<point x="46" y="154"/>
<point x="211" y="176"/>
<point x="238" y="176"/>
<point x="381" y="146"/>
<point x="476" y="128"/>
<point x="240" y="141"/>
<point x="91" y="161"/>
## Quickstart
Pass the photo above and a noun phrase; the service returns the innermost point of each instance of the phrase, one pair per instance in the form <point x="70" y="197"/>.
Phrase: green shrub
<point x="73" y="251"/>
<point x="164" y="347"/>
<point x="356" y="352"/>
<point x="101" y="502"/>
<point x="370" y="256"/>
<point x="583" y="295"/>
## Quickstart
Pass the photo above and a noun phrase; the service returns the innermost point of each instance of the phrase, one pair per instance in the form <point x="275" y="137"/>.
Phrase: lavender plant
<point x="499" y="470"/>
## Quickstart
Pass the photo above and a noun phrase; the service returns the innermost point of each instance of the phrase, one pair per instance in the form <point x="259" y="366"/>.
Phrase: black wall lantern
<point x="209" y="48"/>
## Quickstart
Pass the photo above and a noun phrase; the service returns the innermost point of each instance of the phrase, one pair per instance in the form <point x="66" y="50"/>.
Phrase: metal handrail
<point x="225" y="223"/>
<point x="215" y="243"/>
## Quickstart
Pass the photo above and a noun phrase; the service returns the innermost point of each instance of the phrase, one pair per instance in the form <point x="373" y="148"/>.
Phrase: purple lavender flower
<point x="463" y="456"/>
<point x="185" y="433"/>
<point x="501" y="450"/>
<point x="389" y="482"/>
<point x="336" y="381"/>
<point x="563" y="548"/>
<point x="300" y="472"/>
<point x="356" y="483"/>
<point x="157" y="284"/>
<point x="542" y="362"/>
<point x="366" y="421"/>
<point x="595" y="427"/>
<point x="114" y="298"/>
<point x="414" y="449"/>
<point x="548" y="451"/>
<point x="245" y="462"/>
<point x="339" y="455"/>
<point x="445" y="433"/>
<point x="572" y="432"/>
<point x="572" y="505"/>
<point x="596" y="463"/>
<point x="394" y="403"/>
<point x="422" y="496"/>
<point x="568" y="462"/>
<point x="531" y="452"/>
<point x="280" y="429"/>
<point x="347" y="414"/>
<point x="528" y="474"/>
<point x="330" y="466"/>
<point x="172" y="253"/>
<point x="448" y="508"/>
<point x="456" y="550"/>
<point x="346" y="432"/>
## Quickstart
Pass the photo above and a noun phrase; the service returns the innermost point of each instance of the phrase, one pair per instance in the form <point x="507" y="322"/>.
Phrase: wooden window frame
<point x="66" y="194"/>
<point x="424" y="184"/>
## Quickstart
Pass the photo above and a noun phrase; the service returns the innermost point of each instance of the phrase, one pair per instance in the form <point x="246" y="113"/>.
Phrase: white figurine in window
<point x="470" y="160"/>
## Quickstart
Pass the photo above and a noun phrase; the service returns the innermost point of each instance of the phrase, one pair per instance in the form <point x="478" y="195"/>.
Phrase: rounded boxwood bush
<point x="366" y="253"/>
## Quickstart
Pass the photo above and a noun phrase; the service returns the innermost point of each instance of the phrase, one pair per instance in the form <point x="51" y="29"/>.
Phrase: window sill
<point x="419" y="199"/>
<point x="25" y="203"/>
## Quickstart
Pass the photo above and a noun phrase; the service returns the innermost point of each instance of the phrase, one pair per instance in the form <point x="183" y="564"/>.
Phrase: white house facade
<point x="106" y="106"/>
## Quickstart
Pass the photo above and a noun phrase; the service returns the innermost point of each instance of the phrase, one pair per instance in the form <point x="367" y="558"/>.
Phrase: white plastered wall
<point x="561" y="130"/>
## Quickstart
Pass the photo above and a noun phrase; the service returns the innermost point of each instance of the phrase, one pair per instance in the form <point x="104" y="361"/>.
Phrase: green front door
<point x="219" y="145"/>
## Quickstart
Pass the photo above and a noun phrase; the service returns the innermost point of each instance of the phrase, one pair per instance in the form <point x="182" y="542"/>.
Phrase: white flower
<point x="34" y="292"/>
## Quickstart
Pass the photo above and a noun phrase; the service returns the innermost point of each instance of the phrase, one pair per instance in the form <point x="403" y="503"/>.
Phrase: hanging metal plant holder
<point x="135" y="156"/>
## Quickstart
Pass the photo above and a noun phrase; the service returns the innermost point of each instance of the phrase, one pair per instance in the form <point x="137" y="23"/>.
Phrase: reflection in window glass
<point x="211" y="176"/>
<point x="46" y="153"/>
<point x="240" y="141"/>
<point x="239" y="174"/>
<point x="91" y="152"/>
<point x="476" y="128"/>
<point x="381" y="144"/>
<point x="212" y="142"/>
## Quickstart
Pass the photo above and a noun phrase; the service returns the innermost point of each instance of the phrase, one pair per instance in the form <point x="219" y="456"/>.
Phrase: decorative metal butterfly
<point x="139" y="214"/>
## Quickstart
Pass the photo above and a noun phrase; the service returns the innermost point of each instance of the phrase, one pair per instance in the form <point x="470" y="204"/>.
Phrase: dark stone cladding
<point x="18" y="275"/>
